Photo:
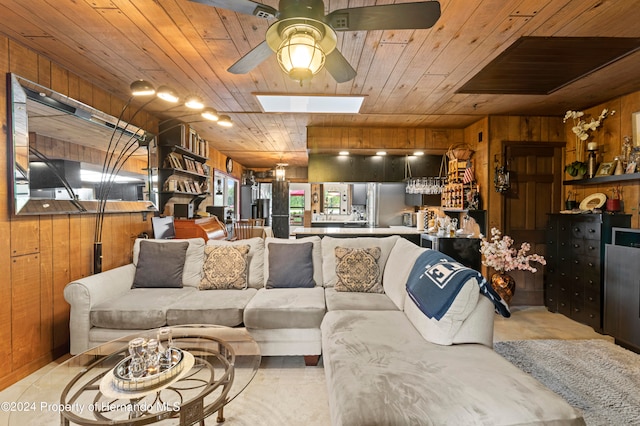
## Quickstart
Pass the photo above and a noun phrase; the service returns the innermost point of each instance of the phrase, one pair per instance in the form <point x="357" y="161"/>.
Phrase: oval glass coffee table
<point x="218" y="364"/>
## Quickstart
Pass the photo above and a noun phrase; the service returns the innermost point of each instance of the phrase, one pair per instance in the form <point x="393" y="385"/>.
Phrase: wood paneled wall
<point x="41" y="254"/>
<point x="46" y="252"/>
<point x="353" y="139"/>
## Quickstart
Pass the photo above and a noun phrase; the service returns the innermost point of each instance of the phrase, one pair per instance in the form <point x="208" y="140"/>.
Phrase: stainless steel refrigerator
<point x="385" y="204"/>
<point x="280" y="209"/>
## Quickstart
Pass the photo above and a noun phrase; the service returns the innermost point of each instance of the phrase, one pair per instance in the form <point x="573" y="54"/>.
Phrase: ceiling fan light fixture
<point x="166" y="93"/>
<point x="142" y="88"/>
<point x="300" y="54"/>
<point x="225" y="121"/>
<point x="194" y="102"/>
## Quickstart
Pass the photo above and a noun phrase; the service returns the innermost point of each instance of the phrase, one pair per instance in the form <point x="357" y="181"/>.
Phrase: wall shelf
<point x="603" y="179"/>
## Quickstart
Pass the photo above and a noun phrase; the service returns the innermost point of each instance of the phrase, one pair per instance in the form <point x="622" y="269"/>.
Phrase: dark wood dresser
<point x="574" y="276"/>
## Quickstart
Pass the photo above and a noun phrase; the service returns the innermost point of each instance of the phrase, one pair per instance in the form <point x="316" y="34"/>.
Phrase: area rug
<point x="595" y="376"/>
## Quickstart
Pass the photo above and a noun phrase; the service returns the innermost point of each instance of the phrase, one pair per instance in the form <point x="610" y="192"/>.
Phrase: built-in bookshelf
<point x="184" y="174"/>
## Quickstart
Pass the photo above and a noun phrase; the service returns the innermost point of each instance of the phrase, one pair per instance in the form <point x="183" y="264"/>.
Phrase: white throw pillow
<point x="255" y="256"/>
<point x="399" y="264"/>
<point x="443" y="332"/>
<point x="329" y="245"/>
<point x="192" y="273"/>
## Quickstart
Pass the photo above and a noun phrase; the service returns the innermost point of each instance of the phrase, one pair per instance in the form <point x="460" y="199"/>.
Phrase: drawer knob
<point x="592" y="231"/>
<point x="576" y="229"/>
<point x="591" y="264"/>
<point x="576" y="245"/>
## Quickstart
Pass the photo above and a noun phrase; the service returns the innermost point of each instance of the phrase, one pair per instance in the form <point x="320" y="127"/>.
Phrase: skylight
<point x="316" y="104"/>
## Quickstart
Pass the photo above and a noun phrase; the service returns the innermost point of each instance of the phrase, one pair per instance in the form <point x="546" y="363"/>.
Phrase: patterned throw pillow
<point x="225" y="267"/>
<point x="358" y="269"/>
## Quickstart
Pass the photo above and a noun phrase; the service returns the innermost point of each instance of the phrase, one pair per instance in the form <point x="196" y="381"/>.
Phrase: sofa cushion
<point x="160" y="265"/>
<point x="285" y="308"/>
<point x="358" y="269"/>
<point x="138" y="308"/>
<point x="225" y="267"/>
<point x="255" y="273"/>
<point x="348" y="300"/>
<point x="290" y="265"/>
<point x="329" y="245"/>
<point x="401" y="259"/>
<point x="220" y="307"/>
<point x="380" y="371"/>
<point x="316" y="255"/>
<point x="193" y="261"/>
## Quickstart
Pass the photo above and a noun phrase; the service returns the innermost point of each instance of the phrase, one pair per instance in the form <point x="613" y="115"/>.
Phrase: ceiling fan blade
<point x="252" y="59"/>
<point x="247" y="7"/>
<point x="402" y="16"/>
<point x="338" y="67"/>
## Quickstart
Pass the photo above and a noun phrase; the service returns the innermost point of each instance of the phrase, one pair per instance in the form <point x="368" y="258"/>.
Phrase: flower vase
<point x="504" y="285"/>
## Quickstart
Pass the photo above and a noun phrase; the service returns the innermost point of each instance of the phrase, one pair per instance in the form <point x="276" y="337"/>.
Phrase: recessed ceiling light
<point x="343" y="153"/>
<point x="318" y="104"/>
<point x="381" y="153"/>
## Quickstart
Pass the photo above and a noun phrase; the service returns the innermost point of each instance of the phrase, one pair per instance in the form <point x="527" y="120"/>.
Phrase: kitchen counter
<point x="410" y="233"/>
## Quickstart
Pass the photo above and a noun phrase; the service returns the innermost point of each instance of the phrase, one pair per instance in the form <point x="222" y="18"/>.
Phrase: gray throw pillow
<point x="290" y="266"/>
<point x="160" y="265"/>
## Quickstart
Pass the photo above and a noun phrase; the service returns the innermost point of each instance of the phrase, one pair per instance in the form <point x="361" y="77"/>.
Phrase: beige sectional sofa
<point x="386" y="363"/>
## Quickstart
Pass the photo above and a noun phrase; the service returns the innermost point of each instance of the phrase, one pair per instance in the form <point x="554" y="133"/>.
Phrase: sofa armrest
<point x="87" y="292"/>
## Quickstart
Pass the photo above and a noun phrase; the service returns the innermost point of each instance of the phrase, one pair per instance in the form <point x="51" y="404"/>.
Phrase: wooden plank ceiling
<point x="410" y="78"/>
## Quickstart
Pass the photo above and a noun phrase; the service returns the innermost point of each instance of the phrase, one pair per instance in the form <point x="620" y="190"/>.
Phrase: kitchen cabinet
<point x="574" y="276"/>
<point x="370" y="168"/>
<point x="622" y="295"/>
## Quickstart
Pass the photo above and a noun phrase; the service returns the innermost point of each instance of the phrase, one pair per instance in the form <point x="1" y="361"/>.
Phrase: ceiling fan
<point x="304" y="38"/>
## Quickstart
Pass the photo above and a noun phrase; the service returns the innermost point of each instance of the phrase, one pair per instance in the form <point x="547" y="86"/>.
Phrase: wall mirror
<point x="58" y="146"/>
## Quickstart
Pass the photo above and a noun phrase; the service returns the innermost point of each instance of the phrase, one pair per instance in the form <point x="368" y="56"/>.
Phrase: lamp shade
<point x="300" y="55"/>
<point x="210" y="114"/>
<point x="194" y="102"/>
<point x="166" y="93"/>
<point x="225" y="121"/>
<point x="142" y="88"/>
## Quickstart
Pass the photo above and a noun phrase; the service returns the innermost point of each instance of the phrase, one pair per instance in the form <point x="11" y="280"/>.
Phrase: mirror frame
<point x="19" y="154"/>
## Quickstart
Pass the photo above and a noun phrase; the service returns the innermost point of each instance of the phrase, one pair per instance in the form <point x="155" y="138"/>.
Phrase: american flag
<point x="469" y="175"/>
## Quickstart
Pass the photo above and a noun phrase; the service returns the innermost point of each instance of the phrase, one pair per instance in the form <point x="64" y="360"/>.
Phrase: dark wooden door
<point x="536" y="185"/>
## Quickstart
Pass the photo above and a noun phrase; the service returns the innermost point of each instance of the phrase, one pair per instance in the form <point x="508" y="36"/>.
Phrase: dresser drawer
<point x="588" y="229"/>
<point x="584" y="246"/>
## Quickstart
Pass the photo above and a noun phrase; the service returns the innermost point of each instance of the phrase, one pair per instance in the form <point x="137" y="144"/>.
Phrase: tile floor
<point x="285" y="392"/>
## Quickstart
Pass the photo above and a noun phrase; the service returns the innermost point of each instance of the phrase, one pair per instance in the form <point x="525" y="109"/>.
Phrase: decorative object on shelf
<point x="606" y="168"/>
<point x="459" y="151"/>
<point x="499" y="255"/>
<point x="592" y="159"/>
<point x="593" y="201"/>
<point x="614" y="204"/>
<point x="577" y="169"/>
<point x="619" y="169"/>
<point x="581" y="128"/>
<point x="501" y="177"/>
<point x="571" y="203"/>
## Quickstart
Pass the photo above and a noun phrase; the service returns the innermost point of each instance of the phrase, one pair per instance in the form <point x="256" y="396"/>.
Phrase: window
<point x="332" y="202"/>
<point x="296" y="207"/>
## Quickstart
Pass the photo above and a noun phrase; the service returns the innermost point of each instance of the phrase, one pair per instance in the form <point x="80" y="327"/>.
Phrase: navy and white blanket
<point x="436" y="279"/>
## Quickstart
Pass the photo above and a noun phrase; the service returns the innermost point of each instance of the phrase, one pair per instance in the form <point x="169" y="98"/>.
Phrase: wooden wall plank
<point x="46" y="285"/>
<point x="26" y="309"/>
<point x="61" y="277"/>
